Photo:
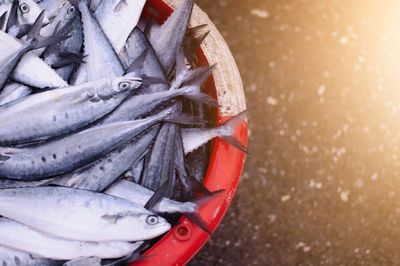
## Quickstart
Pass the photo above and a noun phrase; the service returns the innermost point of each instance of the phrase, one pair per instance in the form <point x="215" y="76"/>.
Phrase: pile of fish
<point x="103" y="126"/>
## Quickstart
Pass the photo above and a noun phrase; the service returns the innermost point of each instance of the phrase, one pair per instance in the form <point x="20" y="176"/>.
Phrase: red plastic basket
<point x="183" y="241"/>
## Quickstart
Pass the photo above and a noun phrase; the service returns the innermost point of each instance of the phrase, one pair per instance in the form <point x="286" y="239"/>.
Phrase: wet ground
<point x="321" y="183"/>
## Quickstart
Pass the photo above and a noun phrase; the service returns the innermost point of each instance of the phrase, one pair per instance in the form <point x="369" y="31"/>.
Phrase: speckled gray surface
<point x="321" y="185"/>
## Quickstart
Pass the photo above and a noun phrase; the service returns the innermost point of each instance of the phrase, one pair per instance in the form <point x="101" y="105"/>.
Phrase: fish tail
<point x="68" y="58"/>
<point x="195" y="217"/>
<point x="227" y="131"/>
<point x="173" y="115"/>
<point x="193" y="86"/>
<point x="35" y="41"/>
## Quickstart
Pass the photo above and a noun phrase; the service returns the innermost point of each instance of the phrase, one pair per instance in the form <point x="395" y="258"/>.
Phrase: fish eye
<point x="24" y="8"/>
<point x="152" y="220"/>
<point x="124" y="85"/>
<point x="71" y="10"/>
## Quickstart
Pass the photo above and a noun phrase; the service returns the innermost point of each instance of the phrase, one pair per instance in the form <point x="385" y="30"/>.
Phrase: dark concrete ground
<point x="321" y="185"/>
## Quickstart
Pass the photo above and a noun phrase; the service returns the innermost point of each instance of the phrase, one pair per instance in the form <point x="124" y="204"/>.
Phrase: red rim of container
<point x="184" y="240"/>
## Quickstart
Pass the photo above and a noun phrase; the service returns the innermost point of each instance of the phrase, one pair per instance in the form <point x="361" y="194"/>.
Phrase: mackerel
<point x="31" y="70"/>
<point x="111" y="14"/>
<point x="141" y="195"/>
<point x="14" y="91"/>
<point x="14" y="257"/>
<point x="103" y="172"/>
<point x="18" y="236"/>
<point x="45" y="115"/>
<point x="80" y="215"/>
<point x="98" y="49"/>
<point x="68" y="153"/>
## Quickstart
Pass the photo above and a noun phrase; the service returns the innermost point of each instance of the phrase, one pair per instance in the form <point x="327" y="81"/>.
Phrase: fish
<point x="159" y="173"/>
<point x="70" y="152"/>
<point x="66" y="56"/>
<point x="80" y="215"/>
<point x="160" y="168"/>
<point x="134" y="173"/>
<point x="102" y="173"/>
<point x="86" y="261"/>
<point x="6" y="183"/>
<point x="46" y="115"/>
<point x="10" y="62"/>
<point x="141" y="195"/>
<point x="193" y="138"/>
<point x="19" y="236"/>
<point x="169" y="38"/>
<point x="14" y="91"/>
<point x="142" y="104"/>
<point x="10" y="257"/>
<point x="112" y="14"/>
<point x="13" y="26"/>
<point x="51" y="6"/>
<point x="98" y="51"/>
<point x="31" y="70"/>
<point x="28" y="11"/>
<point x="135" y="46"/>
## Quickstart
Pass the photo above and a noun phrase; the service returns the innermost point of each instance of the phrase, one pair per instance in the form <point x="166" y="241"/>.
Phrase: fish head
<point x="28" y="12"/>
<point x="66" y="14"/>
<point x="153" y="225"/>
<point x="126" y="83"/>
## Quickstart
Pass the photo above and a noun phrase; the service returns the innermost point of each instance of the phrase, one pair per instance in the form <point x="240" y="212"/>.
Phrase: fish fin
<point x="203" y="98"/>
<point x="184" y="119"/>
<point x="194" y="38"/>
<point x="137" y="65"/>
<point x="235" y="143"/>
<point x="227" y="130"/>
<point x="157" y="196"/>
<point x="3" y="18"/>
<point x="148" y="80"/>
<point x="180" y="62"/>
<point x="7" y="153"/>
<point x="136" y="255"/>
<point x="194" y="217"/>
<point x="199" y="75"/>
<point x="39" y="41"/>
<point x="197" y="220"/>
<point x="68" y="58"/>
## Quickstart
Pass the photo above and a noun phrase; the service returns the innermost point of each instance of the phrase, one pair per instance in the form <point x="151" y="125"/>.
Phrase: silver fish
<point x="51" y="6"/>
<point x="194" y="138"/>
<point x="8" y="64"/>
<point x="80" y="214"/>
<point x="45" y="115"/>
<point x="13" y="257"/>
<point x="28" y="11"/>
<point x="103" y="172"/>
<point x="169" y="38"/>
<point x="136" y="44"/>
<point x="31" y="70"/>
<point x="141" y="195"/>
<point x="13" y="92"/>
<point x="66" y="55"/>
<point x="68" y="153"/>
<point x="140" y="105"/>
<point x="90" y="261"/>
<point x="19" y="236"/>
<point x="99" y="51"/>
<point x="112" y="14"/>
